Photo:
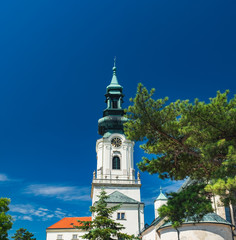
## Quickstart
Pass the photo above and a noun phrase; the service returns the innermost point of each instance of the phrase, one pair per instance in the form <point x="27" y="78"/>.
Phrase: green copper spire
<point x="161" y="196"/>
<point x="112" y="121"/>
<point x="114" y="80"/>
<point x="114" y="96"/>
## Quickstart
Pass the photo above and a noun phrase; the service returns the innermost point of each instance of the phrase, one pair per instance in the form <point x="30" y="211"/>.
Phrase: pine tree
<point x="103" y="227"/>
<point x="23" y="234"/>
<point x="183" y="139"/>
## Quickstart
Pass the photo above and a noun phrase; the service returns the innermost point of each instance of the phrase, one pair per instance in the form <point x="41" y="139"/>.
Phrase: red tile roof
<point x="69" y="222"/>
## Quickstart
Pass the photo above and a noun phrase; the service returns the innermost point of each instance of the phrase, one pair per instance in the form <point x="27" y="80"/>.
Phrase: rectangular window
<point x="227" y="214"/>
<point x="59" y="236"/>
<point x="120" y="216"/>
<point x="74" y="236"/>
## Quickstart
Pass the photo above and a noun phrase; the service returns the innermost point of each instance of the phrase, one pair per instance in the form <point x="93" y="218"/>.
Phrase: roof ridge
<point x="117" y="197"/>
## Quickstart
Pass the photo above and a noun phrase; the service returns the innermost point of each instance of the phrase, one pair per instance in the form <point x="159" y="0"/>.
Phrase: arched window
<point x="115" y="162"/>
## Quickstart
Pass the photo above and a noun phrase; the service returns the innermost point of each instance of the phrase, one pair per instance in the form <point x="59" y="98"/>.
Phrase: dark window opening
<point x="115" y="162"/>
<point x="228" y="215"/>
<point x="114" y="104"/>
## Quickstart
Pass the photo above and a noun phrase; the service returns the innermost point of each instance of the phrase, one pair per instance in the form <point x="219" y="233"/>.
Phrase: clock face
<point x="116" y="142"/>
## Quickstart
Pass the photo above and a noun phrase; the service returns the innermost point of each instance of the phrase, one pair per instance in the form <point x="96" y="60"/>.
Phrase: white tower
<point x="115" y="164"/>
<point x="160" y="200"/>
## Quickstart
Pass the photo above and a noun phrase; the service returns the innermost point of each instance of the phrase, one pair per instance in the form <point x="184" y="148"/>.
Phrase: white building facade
<point x="115" y="171"/>
<point x="65" y="229"/>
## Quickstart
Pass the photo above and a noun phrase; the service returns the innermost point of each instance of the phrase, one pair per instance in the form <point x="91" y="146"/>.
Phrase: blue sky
<point x="55" y="63"/>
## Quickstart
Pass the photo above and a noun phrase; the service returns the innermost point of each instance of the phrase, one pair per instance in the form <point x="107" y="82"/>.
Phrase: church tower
<point x="115" y="164"/>
<point x="160" y="200"/>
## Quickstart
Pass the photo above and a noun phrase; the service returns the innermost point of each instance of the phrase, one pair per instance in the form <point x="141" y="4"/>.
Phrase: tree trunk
<point x="178" y="233"/>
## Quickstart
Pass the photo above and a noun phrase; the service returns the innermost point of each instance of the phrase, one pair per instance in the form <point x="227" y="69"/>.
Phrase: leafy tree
<point x="23" y="234"/>
<point x="103" y="227"/>
<point x="196" y="140"/>
<point x="5" y="219"/>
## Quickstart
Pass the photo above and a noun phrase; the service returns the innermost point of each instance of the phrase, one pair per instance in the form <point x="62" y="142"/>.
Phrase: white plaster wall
<point x="151" y="234"/>
<point x="158" y="204"/>
<point x="66" y="234"/>
<point x="130" y="223"/>
<point x="142" y="216"/>
<point x="105" y="152"/>
<point x="131" y="210"/>
<point x="198" y="232"/>
<point x="99" y="159"/>
<point x="218" y="206"/>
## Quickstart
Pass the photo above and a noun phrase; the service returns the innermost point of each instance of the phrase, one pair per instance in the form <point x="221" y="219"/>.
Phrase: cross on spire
<point x="114" y="68"/>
